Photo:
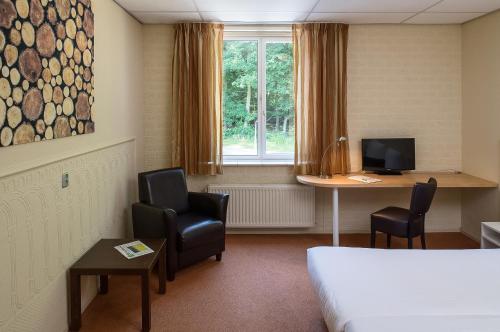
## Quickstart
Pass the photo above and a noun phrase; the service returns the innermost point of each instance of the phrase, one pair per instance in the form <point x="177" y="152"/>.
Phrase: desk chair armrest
<point x="210" y="204"/>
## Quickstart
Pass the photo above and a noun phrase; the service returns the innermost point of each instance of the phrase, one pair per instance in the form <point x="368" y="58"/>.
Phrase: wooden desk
<point x="408" y="180"/>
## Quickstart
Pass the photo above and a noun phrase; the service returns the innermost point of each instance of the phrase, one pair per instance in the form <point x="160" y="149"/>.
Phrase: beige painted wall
<point x="158" y="54"/>
<point x="46" y="228"/>
<point x="403" y="81"/>
<point x="481" y="118"/>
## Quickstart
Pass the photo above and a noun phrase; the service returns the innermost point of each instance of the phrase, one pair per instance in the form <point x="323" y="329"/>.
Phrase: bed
<point x="371" y="290"/>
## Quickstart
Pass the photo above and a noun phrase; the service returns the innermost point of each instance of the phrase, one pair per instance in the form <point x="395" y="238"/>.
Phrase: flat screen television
<point x="388" y="155"/>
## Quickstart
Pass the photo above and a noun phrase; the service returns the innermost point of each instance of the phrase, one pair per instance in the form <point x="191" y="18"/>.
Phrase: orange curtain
<point x="197" y="98"/>
<point x="320" y="92"/>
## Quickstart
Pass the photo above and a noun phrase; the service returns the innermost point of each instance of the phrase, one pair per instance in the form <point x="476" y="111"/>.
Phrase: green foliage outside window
<point x="241" y="97"/>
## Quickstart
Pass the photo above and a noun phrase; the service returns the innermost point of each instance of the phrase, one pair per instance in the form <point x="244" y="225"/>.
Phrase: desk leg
<point x="146" y="302"/>
<point x="75" y="302"/>
<point x="335" y="213"/>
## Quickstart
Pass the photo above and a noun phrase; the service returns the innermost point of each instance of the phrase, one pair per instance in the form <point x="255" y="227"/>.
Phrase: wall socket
<point x="65" y="180"/>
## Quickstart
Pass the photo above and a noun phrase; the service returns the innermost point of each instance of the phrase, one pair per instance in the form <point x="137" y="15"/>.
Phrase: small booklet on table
<point x="134" y="249"/>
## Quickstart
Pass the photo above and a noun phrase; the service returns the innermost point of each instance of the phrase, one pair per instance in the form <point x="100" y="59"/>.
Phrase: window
<point x="258" y="98"/>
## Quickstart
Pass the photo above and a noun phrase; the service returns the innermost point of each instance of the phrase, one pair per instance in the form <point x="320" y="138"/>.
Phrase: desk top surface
<point x="444" y="180"/>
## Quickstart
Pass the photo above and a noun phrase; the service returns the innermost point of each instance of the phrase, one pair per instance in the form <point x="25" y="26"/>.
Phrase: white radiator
<point x="268" y="206"/>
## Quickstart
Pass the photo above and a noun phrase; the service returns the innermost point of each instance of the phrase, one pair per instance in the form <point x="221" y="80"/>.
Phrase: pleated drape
<point x="197" y="98"/>
<point x="320" y="92"/>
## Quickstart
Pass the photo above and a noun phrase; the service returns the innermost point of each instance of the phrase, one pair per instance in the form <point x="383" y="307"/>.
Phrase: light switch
<point x="65" y="180"/>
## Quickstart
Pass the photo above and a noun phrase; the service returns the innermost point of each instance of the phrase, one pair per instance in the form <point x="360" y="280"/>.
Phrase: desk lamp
<point x="337" y="142"/>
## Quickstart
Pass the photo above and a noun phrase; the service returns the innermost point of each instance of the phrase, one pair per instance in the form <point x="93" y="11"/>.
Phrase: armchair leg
<point x="388" y="241"/>
<point x="218" y="257"/>
<point x="170" y="276"/>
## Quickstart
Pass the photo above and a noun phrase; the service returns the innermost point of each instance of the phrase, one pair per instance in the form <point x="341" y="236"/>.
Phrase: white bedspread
<point x="360" y="289"/>
<point x="463" y="323"/>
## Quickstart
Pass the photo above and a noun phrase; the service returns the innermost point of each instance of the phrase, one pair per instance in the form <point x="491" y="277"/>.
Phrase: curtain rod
<point x="257" y="27"/>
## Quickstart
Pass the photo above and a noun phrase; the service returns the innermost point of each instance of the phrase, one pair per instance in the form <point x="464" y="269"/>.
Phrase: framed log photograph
<point x="47" y="70"/>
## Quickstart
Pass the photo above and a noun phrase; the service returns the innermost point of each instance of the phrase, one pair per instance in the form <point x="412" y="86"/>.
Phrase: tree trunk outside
<point x="249" y="98"/>
<point x="247" y="104"/>
<point x="285" y="124"/>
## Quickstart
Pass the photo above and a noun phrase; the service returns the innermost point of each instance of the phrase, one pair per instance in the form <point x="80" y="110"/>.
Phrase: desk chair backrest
<point x="422" y="196"/>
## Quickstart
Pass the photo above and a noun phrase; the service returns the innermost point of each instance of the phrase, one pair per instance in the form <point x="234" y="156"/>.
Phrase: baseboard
<point x="273" y="231"/>
<point x="315" y="231"/>
<point x="470" y="236"/>
<point x="428" y="230"/>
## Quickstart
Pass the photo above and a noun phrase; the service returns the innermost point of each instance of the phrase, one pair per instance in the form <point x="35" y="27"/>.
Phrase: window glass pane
<point x="240" y="97"/>
<point x="279" y="98"/>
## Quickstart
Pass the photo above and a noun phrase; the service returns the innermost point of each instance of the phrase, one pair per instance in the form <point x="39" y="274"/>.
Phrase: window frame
<point x="262" y="37"/>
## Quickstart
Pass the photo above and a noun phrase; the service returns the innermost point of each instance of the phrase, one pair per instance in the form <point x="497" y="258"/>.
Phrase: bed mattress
<point x="463" y="323"/>
<point x="363" y="290"/>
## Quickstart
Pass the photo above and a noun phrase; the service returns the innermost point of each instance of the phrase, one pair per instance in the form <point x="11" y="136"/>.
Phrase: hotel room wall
<point x="46" y="228"/>
<point x="481" y="118"/>
<point x="402" y="81"/>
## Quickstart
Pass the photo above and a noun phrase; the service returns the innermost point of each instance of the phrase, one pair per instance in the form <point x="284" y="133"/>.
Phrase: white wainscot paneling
<point x="44" y="229"/>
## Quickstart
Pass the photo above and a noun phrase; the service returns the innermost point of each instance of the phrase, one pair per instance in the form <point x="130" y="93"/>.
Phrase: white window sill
<point x="238" y="163"/>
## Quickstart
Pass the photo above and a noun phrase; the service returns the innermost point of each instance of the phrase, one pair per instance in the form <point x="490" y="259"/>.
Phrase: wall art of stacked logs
<point x="46" y="70"/>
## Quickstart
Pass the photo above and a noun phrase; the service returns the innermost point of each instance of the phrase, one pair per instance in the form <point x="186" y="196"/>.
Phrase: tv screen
<point x="388" y="155"/>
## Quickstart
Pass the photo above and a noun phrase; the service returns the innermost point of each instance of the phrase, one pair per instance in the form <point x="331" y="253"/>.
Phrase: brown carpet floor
<point x="260" y="285"/>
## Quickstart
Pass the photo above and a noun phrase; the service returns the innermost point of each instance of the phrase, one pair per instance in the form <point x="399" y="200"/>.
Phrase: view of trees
<point x="241" y="97"/>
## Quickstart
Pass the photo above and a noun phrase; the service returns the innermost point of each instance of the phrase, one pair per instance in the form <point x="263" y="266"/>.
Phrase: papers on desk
<point x="134" y="249"/>
<point x="364" y="179"/>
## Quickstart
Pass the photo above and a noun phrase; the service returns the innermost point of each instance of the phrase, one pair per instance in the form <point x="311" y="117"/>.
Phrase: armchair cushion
<point x="195" y="230"/>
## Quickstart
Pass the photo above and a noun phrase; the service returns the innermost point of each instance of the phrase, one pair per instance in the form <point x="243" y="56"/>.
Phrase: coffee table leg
<point x="146" y="302"/>
<point x="103" y="284"/>
<point x="162" y="271"/>
<point x="76" y="302"/>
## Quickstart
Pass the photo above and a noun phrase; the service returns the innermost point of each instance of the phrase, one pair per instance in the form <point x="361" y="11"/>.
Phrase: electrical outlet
<point x="65" y="180"/>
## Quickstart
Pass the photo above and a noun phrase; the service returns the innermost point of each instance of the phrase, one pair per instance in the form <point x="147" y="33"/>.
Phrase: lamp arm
<point x="337" y="142"/>
<point x="321" y="173"/>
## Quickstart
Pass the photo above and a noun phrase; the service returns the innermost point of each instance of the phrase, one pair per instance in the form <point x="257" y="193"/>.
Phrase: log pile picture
<point x="46" y="70"/>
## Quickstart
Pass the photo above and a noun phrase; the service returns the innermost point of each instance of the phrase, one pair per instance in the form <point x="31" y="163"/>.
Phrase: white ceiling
<point x="288" y="11"/>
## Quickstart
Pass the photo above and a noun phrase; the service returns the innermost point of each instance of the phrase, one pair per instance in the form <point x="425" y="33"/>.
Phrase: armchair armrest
<point x="151" y="221"/>
<point x="213" y="205"/>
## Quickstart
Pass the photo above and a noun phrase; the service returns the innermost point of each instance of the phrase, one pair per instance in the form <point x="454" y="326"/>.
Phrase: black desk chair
<point x="403" y="222"/>
<point x="194" y="224"/>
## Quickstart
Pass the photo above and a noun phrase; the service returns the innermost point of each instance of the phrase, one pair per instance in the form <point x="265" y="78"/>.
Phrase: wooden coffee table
<point x="103" y="259"/>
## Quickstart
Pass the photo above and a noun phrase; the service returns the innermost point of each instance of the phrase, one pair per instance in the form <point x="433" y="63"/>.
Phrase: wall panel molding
<point x="42" y="161"/>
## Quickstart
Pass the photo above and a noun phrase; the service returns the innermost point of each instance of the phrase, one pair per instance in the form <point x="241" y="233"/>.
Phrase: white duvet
<point x="371" y="290"/>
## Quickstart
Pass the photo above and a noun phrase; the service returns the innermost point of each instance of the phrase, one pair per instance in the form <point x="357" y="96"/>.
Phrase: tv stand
<point x="387" y="172"/>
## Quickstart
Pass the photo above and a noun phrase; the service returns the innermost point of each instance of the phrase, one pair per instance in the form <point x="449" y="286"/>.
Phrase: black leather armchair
<point x="194" y="224"/>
